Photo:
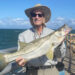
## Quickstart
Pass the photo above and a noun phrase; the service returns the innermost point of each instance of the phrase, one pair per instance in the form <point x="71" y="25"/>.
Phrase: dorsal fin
<point x="22" y="44"/>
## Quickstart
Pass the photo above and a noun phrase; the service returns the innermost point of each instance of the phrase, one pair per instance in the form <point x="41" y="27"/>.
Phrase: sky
<point x="12" y="14"/>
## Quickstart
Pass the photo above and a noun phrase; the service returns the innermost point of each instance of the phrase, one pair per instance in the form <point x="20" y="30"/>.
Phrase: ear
<point x="43" y="20"/>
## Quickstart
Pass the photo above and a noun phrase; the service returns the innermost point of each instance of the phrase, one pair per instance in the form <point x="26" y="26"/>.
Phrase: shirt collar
<point x="35" y="31"/>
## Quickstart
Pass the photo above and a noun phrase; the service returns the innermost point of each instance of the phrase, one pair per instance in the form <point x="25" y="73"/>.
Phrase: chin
<point x="38" y="25"/>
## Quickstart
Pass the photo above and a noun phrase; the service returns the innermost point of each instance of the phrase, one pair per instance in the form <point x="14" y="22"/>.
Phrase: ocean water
<point x="9" y="37"/>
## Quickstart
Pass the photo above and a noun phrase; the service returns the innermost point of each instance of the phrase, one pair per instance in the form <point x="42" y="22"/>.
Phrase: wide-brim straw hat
<point x="44" y="9"/>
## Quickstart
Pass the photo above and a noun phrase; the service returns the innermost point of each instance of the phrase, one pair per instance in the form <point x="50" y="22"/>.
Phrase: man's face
<point x="38" y="18"/>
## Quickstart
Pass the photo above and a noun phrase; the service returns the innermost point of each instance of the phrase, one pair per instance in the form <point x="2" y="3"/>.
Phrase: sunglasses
<point x="34" y="15"/>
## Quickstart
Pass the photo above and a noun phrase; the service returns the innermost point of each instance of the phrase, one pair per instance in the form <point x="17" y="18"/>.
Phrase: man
<point x="38" y="15"/>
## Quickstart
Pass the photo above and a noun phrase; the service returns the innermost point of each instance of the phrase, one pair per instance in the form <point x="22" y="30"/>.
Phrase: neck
<point x="39" y="29"/>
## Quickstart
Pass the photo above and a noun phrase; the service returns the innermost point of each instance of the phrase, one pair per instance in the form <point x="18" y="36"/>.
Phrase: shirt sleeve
<point x="20" y="39"/>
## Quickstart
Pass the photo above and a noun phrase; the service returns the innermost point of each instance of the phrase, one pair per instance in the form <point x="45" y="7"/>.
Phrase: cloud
<point x="59" y="21"/>
<point x="14" y="23"/>
<point x="73" y="21"/>
<point x="21" y="23"/>
<point x="1" y="22"/>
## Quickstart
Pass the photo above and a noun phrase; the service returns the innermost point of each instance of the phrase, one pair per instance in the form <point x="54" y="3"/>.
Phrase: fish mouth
<point x="67" y="30"/>
<point x="37" y="20"/>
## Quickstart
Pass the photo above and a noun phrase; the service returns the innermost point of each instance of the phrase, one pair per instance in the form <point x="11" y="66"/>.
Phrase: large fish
<point x="37" y="48"/>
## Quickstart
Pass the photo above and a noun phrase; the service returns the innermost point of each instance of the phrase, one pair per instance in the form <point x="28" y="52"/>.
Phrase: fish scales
<point x="31" y="52"/>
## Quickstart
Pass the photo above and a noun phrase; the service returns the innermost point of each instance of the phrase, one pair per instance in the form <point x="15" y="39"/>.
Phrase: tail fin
<point x="2" y="62"/>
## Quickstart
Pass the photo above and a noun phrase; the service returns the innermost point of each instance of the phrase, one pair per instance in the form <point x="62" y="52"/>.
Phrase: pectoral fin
<point x="50" y="54"/>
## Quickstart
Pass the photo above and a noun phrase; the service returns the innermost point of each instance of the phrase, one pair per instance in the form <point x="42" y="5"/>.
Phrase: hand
<point x="60" y="66"/>
<point x="21" y="61"/>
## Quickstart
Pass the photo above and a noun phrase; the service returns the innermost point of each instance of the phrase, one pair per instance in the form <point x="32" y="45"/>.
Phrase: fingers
<point x="21" y="61"/>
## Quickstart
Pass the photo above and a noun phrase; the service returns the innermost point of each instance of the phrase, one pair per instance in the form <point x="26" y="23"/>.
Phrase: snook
<point x="37" y="48"/>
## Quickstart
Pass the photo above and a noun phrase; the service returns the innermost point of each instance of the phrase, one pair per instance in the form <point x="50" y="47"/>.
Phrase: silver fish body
<point x="37" y="48"/>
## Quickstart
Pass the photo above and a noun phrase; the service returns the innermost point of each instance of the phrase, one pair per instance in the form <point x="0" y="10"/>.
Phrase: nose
<point x="37" y="16"/>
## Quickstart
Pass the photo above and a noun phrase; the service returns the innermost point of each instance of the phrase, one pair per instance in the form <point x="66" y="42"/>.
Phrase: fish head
<point x="63" y="31"/>
<point x="2" y="62"/>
